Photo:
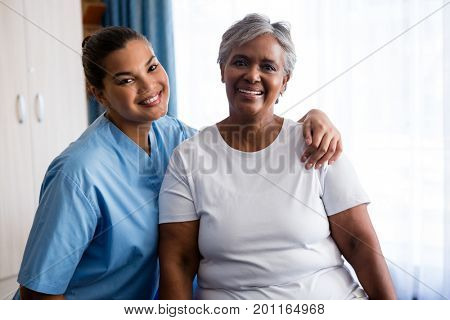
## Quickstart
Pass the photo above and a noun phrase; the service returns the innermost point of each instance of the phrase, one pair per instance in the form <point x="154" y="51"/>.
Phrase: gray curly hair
<point x="252" y="26"/>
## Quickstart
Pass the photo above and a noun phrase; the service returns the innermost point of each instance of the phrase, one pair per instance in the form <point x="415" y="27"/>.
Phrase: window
<point x="380" y="83"/>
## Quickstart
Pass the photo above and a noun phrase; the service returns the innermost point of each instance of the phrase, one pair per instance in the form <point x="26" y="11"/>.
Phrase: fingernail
<point x="331" y="162"/>
<point x="319" y="165"/>
<point x="308" y="166"/>
<point x="303" y="159"/>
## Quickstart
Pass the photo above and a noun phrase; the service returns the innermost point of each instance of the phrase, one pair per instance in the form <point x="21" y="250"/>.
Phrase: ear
<point x="99" y="95"/>
<point x="222" y="70"/>
<point x="285" y="81"/>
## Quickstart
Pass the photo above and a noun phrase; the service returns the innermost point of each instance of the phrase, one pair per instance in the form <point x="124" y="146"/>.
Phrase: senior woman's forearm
<point x="175" y="283"/>
<point x="178" y="258"/>
<point x="370" y="267"/>
<point x="355" y="237"/>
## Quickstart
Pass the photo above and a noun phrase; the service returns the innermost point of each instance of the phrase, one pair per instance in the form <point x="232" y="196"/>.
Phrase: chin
<point x="249" y="110"/>
<point x="157" y="113"/>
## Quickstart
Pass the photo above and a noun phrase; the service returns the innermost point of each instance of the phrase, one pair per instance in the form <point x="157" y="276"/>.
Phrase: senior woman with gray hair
<point x="238" y="209"/>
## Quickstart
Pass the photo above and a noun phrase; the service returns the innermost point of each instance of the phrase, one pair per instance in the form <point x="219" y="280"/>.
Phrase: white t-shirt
<point x="264" y="231"/>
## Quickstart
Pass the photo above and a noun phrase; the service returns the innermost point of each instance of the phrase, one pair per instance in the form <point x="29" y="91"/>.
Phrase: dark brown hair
<point x="99" y="45"/>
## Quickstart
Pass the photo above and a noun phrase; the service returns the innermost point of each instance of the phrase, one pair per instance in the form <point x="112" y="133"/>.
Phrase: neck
<point x="252" y="133"/>
<point x="138" y="132"/>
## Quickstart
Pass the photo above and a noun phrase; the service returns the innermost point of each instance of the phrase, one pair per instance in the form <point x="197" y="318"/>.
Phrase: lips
<point x="251" y="92"/>
<point x="151" y="100"/>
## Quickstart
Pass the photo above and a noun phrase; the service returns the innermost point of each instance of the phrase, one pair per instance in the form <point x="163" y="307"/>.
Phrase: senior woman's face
<point x="254" y="76"/>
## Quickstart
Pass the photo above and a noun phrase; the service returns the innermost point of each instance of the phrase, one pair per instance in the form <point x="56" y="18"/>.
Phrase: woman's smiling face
<point x="254" y="76"/>
<point x="136" y="86"/>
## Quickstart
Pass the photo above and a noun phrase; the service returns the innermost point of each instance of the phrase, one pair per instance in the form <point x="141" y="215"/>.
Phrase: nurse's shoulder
<point x="173" y="128"/>
<point x="171" y="132"/>
<point x="86" y="155"/>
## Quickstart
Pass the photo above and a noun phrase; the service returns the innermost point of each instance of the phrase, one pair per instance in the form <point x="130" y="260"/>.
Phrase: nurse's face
<point x="136" y="87"/>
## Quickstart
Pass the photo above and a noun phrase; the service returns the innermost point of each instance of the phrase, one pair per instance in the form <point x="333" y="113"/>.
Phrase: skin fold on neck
<point x="251" y="133"/>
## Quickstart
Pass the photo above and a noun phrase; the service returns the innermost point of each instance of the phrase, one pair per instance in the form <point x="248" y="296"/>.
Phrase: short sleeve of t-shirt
<point x="176" y="203"/>
<point x="341" y="189"/>
<point x="63" y="226"/>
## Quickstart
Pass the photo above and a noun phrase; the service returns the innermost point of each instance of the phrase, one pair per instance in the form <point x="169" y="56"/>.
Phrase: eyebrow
<point x="242" y="56"/>
<point x="128" y="73"/>
<point x="239" y="56"/>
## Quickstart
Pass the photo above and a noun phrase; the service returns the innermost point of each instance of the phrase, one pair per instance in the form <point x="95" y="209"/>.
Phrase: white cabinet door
<point x="16" y="176"/>
<point x="40" y="62"/>
<point x="56" y="83"/>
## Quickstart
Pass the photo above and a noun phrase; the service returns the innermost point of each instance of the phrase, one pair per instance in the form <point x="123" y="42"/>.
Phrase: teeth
<point x="250" y="92"/>
<point x="150" y="100"/>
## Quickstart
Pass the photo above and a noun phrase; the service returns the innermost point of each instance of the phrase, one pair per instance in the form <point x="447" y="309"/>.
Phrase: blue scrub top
<point x="95" y="232"/>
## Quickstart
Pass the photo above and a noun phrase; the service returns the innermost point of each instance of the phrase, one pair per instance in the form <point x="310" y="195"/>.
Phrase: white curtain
<point x="380" y="69"/>
<point x="446" y="107"/>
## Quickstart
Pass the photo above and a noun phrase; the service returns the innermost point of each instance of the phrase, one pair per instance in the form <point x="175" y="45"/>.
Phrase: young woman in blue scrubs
<point x="95" y="232"/>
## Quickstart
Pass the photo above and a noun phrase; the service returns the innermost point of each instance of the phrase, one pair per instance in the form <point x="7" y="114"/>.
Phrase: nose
<point x="252" y="75"/>
<point x="145" y="84"/>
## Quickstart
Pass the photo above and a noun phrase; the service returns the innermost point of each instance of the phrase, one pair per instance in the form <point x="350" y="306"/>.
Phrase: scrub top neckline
<point x="132" y="151"/>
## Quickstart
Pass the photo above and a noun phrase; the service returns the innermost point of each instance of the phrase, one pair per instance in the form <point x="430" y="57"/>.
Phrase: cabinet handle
<point x="39" y="107"/>
<point x="21" y="108"/>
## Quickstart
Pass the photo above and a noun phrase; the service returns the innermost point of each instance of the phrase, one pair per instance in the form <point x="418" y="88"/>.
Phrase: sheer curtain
<point x="447" y="151"/>
<point x="380" y="69"/>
